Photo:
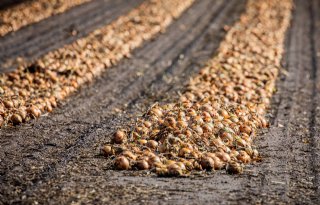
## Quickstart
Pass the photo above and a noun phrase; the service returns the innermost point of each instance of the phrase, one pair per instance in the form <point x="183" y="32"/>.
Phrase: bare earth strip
<point x="35" y="88"/>
<point x="29" y="12"/>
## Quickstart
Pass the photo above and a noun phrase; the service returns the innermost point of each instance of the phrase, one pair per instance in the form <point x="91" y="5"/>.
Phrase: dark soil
<point x="55" y="160"/>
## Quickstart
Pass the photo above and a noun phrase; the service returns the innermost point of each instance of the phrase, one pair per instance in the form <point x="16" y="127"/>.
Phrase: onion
<point x="119" y="137"/>
<point x="142" y="165"/>
<point x="107" y="150"/>
<point x="207" y="163"/>
<point x="152" y="144"/>
<point x="129" y="155"/>
<point x="16" y="119"/>
<point x="174" y="170"/>
<point x="234" y="168"/>
<point x="122" y="163"/>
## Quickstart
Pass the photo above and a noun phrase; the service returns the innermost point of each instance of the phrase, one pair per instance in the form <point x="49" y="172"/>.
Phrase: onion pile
<point x="213" y="124"/>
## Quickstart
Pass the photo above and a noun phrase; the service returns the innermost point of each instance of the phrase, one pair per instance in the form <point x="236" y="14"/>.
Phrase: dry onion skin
<point x="213" y="124"/>
<point x="35" y="88"/>
<point x="29" y="12"/>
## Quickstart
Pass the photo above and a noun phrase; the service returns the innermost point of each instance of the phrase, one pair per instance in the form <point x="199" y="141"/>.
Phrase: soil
<point x="56" y="159"/>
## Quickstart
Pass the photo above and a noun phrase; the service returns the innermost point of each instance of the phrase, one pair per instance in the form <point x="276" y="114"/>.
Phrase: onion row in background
<point x="35" y="88"/>
<point x="29" y="12"/>
<point x="213" y="124"/>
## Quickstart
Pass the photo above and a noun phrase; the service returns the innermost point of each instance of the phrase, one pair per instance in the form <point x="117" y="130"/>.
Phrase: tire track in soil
<point x="56" y="31"/>
<point x="83" y="131"/>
